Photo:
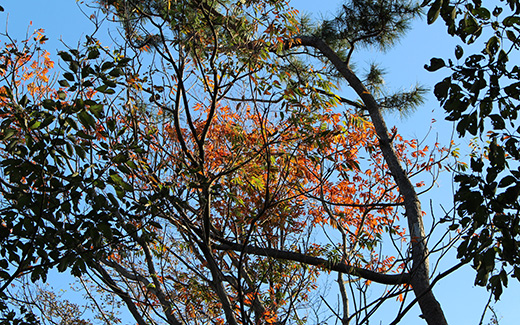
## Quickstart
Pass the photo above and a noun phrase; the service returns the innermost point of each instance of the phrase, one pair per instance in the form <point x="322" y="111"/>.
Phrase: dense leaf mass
<point x="482" y="96"/>
<point x="204" y="169"/>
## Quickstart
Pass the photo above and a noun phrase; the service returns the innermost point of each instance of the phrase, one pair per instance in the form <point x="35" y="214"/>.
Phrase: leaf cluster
<point x="54" y="213"/>
<point x="369" y="23"/>
<point x="482" y="96"/>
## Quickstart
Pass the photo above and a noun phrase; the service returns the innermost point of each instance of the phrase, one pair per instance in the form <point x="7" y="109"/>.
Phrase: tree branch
<point x="430" y="307"/>
<point x="341" y="267"/>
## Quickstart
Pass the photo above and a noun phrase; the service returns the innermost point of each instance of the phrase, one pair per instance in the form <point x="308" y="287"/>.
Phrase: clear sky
<point x="463" y="304"/>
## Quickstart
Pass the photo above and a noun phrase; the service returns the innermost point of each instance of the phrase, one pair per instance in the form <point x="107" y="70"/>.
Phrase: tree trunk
<point x="420" y="281"/>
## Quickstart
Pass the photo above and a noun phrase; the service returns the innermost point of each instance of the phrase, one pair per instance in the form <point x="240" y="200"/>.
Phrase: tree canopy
<point x="207" y="168"/>
<point x="481" y="97"/>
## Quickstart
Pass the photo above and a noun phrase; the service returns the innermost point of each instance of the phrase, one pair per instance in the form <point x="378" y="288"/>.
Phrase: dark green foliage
<point x="482" y="97"/>
<point x="56" y="207"/>
<point x="378" y="23"/>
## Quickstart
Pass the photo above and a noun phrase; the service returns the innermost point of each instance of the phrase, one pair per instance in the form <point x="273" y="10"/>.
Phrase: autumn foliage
<point x="216" y="186"/>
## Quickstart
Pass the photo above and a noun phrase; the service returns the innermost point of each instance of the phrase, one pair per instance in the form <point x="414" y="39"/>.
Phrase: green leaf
<point x="24" y="101"/>
<point x="471" y="26"/>
<point x="74" y="66"/>
<point x="69" y="148"/>
<point x="517" y="273"/>
<point x="97" y="110"/>
<point x="496" y="287"/>
<point x="511" y="36"/>
<point x="4" y="275"/>
<point x="110" y="83"/>
<point x="87" y="120"/>
<point x="510" y="21"/>
<point x="506" y="181"/>
<point x="434" y="11"/>
<point x="105" y="229"/>
<point x="9" y="133"/>
<point x="482" y="13"/>
<point x="441" y="89"/>
<point x="64" y="83"/>
<point x="458" y="52"/>
<point x="105" y="90"/>
<point x="48" y="104"/>
<point x="65" y="56"/>
<point x="115" y="72"/>
<point x="62" y="266"/>
<point x="123" y="62"/>
<point x="502" y="56"/>
<point x="453" y="227"/>
<point x="492" y="45"/>
<point x="35" y="125"/>
<point x="69" y="76"/>
<point x="93" y="54"/>
<point x="107" y="65"/>
<point x="155" y="224"/>
<point x="119" y="158"/>
<point x="476" y="165"/>
<point x="513" y="90"/>
<point x="62" y="95"/>
<point x="80" y="151"/>
<point x="435" y="64"/>
<point x="116" y="179"/>
<point x="102" y="88"/>
<point x="111" y="124"/>
<point x="79" y="104"/>
<point x="497" y="121"/>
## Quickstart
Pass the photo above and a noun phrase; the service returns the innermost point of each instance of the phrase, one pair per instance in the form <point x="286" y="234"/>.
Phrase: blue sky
<point x="463" y="304"/>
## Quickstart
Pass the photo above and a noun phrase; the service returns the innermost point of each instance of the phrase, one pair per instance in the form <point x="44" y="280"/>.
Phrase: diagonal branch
<point x="420" y="280"/>
<point x="340" y="267"/>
